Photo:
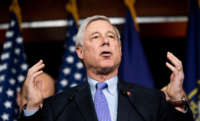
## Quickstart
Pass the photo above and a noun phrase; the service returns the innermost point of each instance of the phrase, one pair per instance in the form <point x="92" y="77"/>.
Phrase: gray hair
<point x="79" y="36"/>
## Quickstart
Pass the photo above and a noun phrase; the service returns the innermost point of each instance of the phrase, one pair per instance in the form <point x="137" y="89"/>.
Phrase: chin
<point x="107" y="65"/>
<point x="105" y="70"/>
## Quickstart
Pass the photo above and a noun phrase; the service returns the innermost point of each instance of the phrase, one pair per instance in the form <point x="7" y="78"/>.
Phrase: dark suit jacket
<point x="142" y="104"/>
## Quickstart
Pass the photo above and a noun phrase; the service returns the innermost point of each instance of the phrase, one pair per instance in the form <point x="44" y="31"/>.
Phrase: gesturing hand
<point x="174" y="90"/>
<point x="33" y="87"/>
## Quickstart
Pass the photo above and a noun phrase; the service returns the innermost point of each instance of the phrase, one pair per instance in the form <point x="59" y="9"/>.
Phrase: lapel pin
<point x="128" y="93"/>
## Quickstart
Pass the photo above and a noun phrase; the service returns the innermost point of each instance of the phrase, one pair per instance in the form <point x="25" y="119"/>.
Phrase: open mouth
<point x="106" y="53"/>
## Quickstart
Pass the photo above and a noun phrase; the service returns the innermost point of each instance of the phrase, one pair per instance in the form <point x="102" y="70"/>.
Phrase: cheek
<point x="117" y="48"/>
<point x="91" y="51"/>
<point x="118" y="52"/>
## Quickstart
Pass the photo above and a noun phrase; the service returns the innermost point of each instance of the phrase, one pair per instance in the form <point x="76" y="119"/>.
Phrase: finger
<point x="37" y="73"/>
<point x="174" y="60"/>
<point x="171" y="59"/>
<point x="34" y="76"/>
<point x="172" y="68"/>
<point x="37" y="68"/>
<point x="38" y="63"/>
<point x="173" y="56"/>
<point x="33" y="72"/>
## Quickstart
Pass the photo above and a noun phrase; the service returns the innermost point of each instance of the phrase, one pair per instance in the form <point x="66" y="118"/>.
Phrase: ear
<point x="79" y="51"/>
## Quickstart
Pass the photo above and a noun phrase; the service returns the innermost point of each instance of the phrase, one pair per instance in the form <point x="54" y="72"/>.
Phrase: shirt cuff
<point x="29" y="112"/>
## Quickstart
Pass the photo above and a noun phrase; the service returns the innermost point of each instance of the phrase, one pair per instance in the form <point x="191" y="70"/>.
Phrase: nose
<point x="105" y="41"/>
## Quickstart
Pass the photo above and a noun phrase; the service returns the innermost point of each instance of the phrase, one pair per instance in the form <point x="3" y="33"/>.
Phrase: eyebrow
<point x="106" y="32"/>
<point x="94" y="33"/>
<point x="113" y="32"/>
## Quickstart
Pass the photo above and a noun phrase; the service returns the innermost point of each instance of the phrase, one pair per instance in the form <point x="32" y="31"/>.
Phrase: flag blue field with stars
<point x="192" y="65"/>
<point x="13" y="69"/>
<point x="72" y="71"/>
<point x="134" y="67"/>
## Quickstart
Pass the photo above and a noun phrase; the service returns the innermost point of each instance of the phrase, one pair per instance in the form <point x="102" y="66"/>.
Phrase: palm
<point x="174" y="89"/>
<point x="33" y="86"/>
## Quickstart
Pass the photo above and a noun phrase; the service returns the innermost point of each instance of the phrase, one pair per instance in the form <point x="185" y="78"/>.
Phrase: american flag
<point x="72" y="70"/>
<point x="13" y="68"/>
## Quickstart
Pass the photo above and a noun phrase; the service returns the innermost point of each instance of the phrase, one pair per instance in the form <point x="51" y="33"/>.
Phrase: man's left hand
<point x="174" y="90"/>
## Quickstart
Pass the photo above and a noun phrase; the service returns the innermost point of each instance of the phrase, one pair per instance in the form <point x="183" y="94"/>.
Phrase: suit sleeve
<point x="35" y="117"/>
<point x="169" y="113"/>
<point x="44" y="114"/>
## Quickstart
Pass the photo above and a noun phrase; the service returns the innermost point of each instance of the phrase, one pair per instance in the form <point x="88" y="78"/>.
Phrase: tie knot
<point x="101" y="85"/>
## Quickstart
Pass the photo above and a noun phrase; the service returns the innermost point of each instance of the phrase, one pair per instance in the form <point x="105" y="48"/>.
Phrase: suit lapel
<point x="123" y="108"/>
<point x="123" y="103"/>
<point x="127" y="110"/>
<point x="85" y="103"/>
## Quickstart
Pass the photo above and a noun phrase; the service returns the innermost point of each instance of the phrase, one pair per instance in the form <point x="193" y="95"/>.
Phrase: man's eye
<point x="111" y="36"/>
<point x="95" y="37"/>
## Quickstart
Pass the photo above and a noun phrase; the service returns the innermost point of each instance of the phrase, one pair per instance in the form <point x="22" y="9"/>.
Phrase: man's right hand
<point x="33" y="87"/>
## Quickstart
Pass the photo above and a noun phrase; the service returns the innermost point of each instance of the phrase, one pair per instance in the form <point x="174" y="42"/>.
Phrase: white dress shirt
<point x="110" y="93"/>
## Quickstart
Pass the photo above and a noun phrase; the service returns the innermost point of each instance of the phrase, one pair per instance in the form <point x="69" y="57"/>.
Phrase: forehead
<point x="99" y="26"/>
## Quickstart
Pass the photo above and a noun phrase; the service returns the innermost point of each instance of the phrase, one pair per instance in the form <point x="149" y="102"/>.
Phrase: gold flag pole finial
<point x="72" y="7"/>
<point x="130" y="5"/>
<point x="14" y="7"/>
<point x="199" y="3"/>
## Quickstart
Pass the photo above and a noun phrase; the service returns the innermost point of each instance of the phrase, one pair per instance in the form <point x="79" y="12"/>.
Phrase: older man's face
<point x="102" y="49"/>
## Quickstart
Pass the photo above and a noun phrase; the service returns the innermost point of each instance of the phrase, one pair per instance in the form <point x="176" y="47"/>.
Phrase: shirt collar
<point x="112" y="84"/>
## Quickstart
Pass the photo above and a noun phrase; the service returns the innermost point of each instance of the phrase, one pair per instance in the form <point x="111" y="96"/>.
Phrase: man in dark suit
<point x="104" y="97"/>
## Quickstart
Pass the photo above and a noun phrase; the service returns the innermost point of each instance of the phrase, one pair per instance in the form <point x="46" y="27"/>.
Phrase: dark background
<point x="48" y="43"/>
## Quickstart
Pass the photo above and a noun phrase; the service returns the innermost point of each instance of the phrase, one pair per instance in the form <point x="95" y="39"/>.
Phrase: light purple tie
<point x="101" y="105"/>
